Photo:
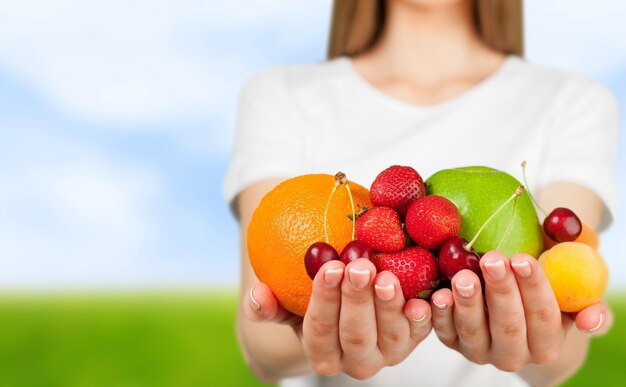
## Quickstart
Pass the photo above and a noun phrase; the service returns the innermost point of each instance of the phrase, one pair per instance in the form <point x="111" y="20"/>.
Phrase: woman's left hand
<point x="516" y="323"/>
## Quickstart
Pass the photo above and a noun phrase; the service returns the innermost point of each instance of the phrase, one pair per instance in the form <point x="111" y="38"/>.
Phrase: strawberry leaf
<point x="361" y="210"/>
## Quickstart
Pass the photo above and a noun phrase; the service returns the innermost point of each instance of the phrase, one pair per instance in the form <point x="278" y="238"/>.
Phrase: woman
<point x="432" y="84"/>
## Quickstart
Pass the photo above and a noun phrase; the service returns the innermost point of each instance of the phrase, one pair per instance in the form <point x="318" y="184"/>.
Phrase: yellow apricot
<point x="577" y="274"/>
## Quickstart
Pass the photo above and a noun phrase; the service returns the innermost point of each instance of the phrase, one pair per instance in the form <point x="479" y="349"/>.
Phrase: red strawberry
<point x="415" y="267"/>
<point x="381" y="228"/>
<point x="432" y="220"/>
<point x="397" y="187"/>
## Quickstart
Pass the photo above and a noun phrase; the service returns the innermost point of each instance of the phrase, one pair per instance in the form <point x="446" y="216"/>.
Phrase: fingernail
<point x="385" y="293"/>
<point x="465" y="290"/>
<point x="359" y="278"/>
<point x="496" y="269"/>
<point x="600" y="322"/>
<point x="522" y="268"/>
<point x="418" y="320"/>
<point x="332" y="277"/>
<point x="441" y="306"/>
<point x="253" y="302"/>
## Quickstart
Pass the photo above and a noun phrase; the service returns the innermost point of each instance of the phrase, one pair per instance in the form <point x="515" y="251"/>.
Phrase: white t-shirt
<point x="324" y="118"/>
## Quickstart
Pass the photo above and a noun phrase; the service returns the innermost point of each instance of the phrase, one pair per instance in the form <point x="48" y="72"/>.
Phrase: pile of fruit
<point x="423" y="232"/>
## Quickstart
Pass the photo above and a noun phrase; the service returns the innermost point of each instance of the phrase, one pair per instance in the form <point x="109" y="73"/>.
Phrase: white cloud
<point x="70" y="216"/>
<point x="577" y="35"/>
<point x="151" y="61"/>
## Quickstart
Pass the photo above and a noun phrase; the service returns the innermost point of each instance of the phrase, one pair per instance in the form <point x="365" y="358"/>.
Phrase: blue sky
<point x="116" y="120"/>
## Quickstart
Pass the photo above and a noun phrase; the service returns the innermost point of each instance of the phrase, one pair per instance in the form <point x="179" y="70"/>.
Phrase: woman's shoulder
<point x="295" y="78"/>
<point x="558" y="84"/>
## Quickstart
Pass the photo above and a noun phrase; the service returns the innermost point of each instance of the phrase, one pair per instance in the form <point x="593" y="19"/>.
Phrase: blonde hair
<point x="356" y="24"/>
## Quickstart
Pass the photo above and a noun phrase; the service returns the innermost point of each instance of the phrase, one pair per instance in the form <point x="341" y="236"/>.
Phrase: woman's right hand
<point x="357" y="321"/>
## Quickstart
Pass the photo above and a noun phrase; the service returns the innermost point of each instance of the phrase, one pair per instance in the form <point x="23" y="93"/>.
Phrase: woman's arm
<point x="520" y="329"/>
<point x="272" y="351"/>
<point x="588" y="206"/>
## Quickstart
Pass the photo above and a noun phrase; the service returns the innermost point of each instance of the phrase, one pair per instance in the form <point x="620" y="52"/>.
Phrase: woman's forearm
<point x="570" y="360"/>
<point x="588" y="206"/>
<point x="272" y="351"/>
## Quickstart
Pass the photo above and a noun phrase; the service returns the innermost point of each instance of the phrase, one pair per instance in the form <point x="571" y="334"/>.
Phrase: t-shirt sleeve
<point x="582" y="143"/>
<point x="268" y="140"/>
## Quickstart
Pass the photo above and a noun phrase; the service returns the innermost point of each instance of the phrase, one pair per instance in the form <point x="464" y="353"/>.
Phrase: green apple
<point x="478" y="192"/>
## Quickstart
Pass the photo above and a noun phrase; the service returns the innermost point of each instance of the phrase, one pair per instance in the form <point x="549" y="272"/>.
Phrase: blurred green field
<point x="179" y="339"/>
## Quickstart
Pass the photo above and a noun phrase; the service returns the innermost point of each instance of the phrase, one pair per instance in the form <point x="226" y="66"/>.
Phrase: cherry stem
<point x="509" y="226"/>
<point x="545" y="213"/>
<point x="520" y="190"/>
<point x="332" y="193"/>
<point x="353" y="213"/>
<point x="340" y="179"/>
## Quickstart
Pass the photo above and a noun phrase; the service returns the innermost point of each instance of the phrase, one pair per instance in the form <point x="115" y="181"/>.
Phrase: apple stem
<point x="520" y="190"/>
<point x="545" y="213"/>
<point x="509" y="226"/>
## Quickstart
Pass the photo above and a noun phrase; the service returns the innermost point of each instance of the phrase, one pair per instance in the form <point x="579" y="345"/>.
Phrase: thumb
<point x="261" y="304"/>
<point x="595" y="319"/>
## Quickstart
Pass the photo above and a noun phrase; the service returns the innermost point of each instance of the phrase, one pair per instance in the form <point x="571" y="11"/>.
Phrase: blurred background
<point x="118" y="254"/>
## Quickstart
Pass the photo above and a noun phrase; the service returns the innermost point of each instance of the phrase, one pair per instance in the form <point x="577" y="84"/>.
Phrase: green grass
<point x="120" y="340"/>
<point x="180" y="339"/>
<point x="605" y="363"/>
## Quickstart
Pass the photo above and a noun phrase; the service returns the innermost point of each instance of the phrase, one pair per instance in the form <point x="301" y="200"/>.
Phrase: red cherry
<point x="454" y="257"/>
<point x="354" y="250"/>
<point x="562" y="225"/>
<point x="317" y="255"/>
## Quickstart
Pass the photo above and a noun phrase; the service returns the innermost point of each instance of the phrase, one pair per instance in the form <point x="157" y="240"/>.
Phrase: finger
<point x="357" y="321"/>
<point x="392" y="326"/>
<point x="320" y="328"/>
<point x="595" y="319"/>
<point x="419" y="313"/>
<point x="507" y="322"/>
<point x="262" y="305"/>
<point x="544" y="327"/>
<point x="442" y="304"/>
<point x="469" y="316"/>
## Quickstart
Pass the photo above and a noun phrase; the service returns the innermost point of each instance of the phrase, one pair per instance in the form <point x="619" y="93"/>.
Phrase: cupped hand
<point x="517" y="322"/>
<point x="357" y="321"/>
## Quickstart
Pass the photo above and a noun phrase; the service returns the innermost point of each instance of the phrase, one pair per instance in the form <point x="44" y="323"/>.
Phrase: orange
<point x="287" y="221"/>
<point x="588" y="236"/>
<point x="577" y="274"/>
